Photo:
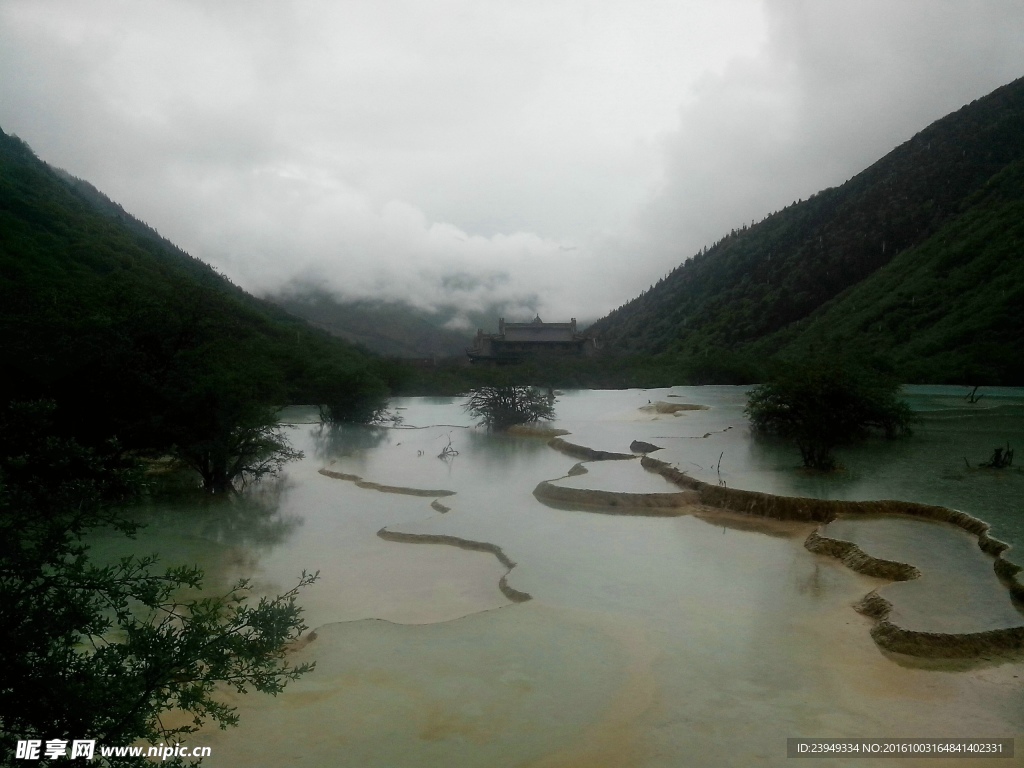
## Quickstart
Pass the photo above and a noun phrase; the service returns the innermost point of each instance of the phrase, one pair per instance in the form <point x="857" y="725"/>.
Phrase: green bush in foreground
<point x="822" y="406"/>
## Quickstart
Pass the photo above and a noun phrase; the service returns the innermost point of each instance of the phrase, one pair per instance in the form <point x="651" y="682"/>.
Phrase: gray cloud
<point x="836" y="86"/>
<point x="557" y="156"/>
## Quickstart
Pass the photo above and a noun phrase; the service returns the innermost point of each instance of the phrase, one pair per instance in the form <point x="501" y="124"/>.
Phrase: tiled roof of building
<point x="545" y="332"/>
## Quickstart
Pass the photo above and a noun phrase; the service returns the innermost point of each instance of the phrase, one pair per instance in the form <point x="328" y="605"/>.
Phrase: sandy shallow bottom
<point x="704" y="639"/>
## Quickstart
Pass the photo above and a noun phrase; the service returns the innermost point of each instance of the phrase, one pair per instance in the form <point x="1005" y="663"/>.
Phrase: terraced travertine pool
<point x="702" y="637"/>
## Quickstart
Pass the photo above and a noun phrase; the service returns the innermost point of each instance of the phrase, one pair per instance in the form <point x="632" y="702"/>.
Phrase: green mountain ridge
<point x="917" y="258"/>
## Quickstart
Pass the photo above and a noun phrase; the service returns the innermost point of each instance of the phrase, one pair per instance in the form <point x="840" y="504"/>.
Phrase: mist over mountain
<point x="389" y="328"/>
<point x="919" y="258"/>
<point x="916" y="259"/>
<point x="397" y="328"/>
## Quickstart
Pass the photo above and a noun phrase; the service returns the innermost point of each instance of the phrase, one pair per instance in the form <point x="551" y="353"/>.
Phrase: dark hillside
<point x="949" y="310"/>
<point x="759" y="280"/>
<point x="130" y="335"/>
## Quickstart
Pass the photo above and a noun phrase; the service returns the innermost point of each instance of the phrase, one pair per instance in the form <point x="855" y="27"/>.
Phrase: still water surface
<point x="706" y="639"/>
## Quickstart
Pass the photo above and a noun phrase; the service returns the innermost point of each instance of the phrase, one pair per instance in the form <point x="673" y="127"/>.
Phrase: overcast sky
<point x="554" y="154"/>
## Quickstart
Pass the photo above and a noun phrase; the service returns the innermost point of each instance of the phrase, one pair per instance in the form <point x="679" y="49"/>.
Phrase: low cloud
<point x="552" y="157"/>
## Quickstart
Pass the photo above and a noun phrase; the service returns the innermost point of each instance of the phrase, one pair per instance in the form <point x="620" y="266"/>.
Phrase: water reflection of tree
<point x="331" y="441"/>
<point x="505" y="451"/>
<point x="254" y="519"/>
<point x="251" y="519"/>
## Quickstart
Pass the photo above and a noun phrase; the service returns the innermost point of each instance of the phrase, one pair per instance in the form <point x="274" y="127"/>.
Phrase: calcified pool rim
<point x="515" y="595"/>
<point x="399" y="489"/>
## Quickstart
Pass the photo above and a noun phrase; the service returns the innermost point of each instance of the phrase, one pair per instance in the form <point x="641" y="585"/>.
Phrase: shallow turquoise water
<point x="647" y="640"/>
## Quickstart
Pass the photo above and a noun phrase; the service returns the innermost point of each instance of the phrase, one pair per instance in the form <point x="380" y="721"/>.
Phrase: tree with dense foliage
<point x="92" y="651"/>
<point x="242" y="450"/>
<point x="350" y="395"/>
<point x="501" y="406"/>
<point x="821" y="406"/>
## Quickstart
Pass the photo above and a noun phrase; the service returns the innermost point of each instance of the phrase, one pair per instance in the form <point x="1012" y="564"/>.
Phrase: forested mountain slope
<point x="131" y="336"/>
<point x="385" y="327"/>
<point x="919" y="257"/>
<point x="948" y="310"/>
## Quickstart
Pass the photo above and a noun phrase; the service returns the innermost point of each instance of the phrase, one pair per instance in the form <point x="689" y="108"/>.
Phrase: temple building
<point x="516" y="341"/>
